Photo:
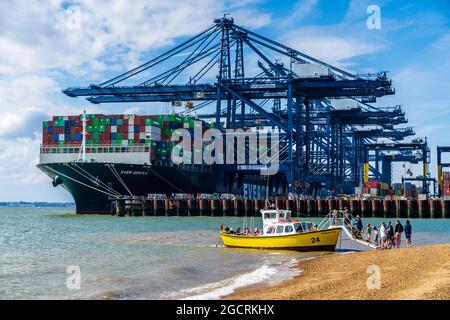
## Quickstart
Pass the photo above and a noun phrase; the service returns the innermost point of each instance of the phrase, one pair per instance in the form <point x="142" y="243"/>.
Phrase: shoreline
<point x="419" y="273"/>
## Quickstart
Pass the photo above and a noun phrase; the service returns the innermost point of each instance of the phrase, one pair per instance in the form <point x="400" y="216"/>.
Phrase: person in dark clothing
<point x="359" y="226"/>
<point x="390" y="235"/>
<point x="408" y="231"/>
<point x="398" y="234"/>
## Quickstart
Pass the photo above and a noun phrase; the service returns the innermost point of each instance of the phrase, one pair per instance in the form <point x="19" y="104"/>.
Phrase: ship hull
<point x="94" y="186"/>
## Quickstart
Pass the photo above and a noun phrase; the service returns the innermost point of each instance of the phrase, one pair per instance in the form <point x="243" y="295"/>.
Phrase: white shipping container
<point x="154" y="130"/>
<point x="125" y="143"/>
<point x="374" y="191"/>
<point x="306" y="70"/>
<point x="61" y="137"/>
<point x="113" y="129"/>
<point x="152" y="136"/>
<point x="130" y="129"/>
<point x="142" y="135"/>
<point x="131" y="121"/>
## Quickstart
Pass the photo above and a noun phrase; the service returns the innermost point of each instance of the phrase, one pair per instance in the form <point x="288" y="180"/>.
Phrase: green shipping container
<point x="61" y="143"/>
<point x="45" y="124"/>
<point x="119" y="122"/>
<point x="96" y="121"/>
<point x="130" y="142"/>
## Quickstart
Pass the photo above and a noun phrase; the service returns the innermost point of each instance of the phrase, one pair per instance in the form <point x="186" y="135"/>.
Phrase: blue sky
<point x="40" y="55"/>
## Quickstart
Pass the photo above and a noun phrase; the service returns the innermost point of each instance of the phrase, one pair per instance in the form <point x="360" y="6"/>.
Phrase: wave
<point x="269" y="274"/>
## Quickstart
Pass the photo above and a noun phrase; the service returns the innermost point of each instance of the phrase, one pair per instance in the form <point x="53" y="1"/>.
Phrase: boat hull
<point x="323" y="240"/>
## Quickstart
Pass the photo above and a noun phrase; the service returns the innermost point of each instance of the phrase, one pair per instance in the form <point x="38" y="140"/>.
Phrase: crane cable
<point x="79" y="182"/>
<point x="116" y="174"/>
<point x="93" y="179"/>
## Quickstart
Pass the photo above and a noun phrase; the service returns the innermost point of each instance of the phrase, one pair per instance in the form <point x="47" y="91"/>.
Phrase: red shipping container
<point x="107" y="129"/>
<point x="125" y="123"/>
<point x="44" y="131"/>
<point x="446" y="191"/>
<point x="136" y="136"/>
<point x="446" y="174"/>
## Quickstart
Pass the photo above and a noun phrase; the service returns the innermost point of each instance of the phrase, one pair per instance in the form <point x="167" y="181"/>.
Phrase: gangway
<point x="342" y="219"/>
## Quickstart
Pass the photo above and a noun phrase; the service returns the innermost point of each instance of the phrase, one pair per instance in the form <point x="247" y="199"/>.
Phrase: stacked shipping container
<point x="154" y="131"/>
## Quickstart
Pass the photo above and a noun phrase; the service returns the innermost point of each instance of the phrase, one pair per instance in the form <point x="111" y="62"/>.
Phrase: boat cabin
<point x="279" y="222"/>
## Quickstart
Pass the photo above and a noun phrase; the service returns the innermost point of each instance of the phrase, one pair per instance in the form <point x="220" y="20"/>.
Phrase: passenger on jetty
<point x="398" y="234"/>
<point x="359" y="226"/>
<point x="383" y="235"/>
<point x="376" y="235"/>
<point x="390" y="236"/>
<point x="369" y="232"/>
<point x="334" y="218"/>
<point x="408" y="231"/>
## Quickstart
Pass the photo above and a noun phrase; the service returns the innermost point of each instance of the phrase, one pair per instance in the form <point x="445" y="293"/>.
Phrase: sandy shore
<point x="416" y="273"/>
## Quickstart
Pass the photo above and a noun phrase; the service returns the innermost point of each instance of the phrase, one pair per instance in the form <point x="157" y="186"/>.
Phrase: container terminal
<point x="336" y="147"/>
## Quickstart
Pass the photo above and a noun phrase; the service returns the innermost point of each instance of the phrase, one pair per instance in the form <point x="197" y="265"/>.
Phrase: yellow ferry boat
<point x="282" y="233"/>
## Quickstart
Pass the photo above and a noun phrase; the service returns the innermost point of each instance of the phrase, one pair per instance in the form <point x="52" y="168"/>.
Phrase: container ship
<point x="101" y="158"/>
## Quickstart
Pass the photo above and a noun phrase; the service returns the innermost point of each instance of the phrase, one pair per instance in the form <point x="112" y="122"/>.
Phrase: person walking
<point x="376" y="235"/>
<point x="408" y="231"/>
<point x="359" y="226"/>
<point x="369" y="233"/>
<point x="398" y="234"/>
<point x="383" y="235"/>
<point x="390" y="235"/>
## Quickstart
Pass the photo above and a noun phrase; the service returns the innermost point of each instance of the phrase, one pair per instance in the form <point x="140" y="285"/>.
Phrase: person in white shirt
<point x="383" y="235"/>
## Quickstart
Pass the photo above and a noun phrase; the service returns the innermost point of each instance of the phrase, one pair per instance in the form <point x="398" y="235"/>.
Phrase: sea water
<point x="142" y="257"/>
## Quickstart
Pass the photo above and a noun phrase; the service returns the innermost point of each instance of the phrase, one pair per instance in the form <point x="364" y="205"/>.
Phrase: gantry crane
<point x="324" y="145"/>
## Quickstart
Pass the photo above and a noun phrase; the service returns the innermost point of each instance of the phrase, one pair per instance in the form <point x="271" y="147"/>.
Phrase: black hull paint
<point x="141" y="180"/>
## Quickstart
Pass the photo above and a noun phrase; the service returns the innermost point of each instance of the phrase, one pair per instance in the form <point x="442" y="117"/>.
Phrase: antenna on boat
<point x="82" y="155"/>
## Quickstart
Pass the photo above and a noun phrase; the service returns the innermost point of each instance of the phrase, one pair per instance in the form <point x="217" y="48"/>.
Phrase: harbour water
<point x="142" y="257"/>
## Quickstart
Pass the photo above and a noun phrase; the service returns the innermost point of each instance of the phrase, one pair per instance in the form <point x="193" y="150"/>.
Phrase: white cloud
<point x="301" y="10"/>
<point x="40" y="55"/>
<point x="332" y="44"/>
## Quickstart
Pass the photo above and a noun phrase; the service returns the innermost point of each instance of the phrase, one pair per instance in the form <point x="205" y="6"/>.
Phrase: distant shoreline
<point x="24" y="204"/>
<point x="420" y="273"/>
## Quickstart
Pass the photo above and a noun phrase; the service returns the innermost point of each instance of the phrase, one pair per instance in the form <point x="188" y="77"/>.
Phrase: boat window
<point x="298" y="227"/>
<point x="266" y="215"/>
<point x="306" y="226"/>
<point x="280" y="229"/>
<point x="271" y="230"/>
<point x="288" y="229"/>
<point x="281" y="215"/>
